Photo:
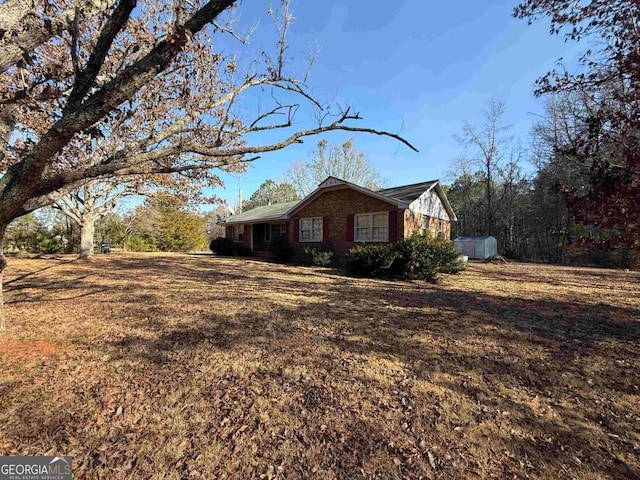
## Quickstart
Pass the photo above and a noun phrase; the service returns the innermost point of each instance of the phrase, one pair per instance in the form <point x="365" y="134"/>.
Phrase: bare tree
<point x="90" y="203"/>
<point x="343" y="161"/>
<point x="144" y="78"/>
<point x="487" y="145"/>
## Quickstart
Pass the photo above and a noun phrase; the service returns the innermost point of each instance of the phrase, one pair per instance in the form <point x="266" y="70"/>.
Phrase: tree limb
<point x="111" y="28"/>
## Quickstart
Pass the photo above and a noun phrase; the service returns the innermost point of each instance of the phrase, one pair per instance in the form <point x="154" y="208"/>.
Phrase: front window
<point x="440" y="228"/>
<point x="372" y="227"/>
<point x="425" y="223"/>
<point x="311" y="229"/>
<point x="238" y="233"/>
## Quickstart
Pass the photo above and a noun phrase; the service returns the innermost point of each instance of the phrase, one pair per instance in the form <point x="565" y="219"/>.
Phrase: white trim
<point x="370" y="227"/>
<point x="311" y="240"/>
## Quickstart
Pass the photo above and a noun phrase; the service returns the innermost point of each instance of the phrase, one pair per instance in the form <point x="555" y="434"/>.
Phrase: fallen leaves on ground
<point x="196" y="367"/>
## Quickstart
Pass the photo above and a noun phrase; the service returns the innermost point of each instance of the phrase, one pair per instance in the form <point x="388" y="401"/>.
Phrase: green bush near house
<point x="320" y="258"/>
<point x="417" y="257"/>
<point x="426" y="257"/>
<point x="317" y="254"/>
<point x="371" y="260"/>
<point x="320" y="255"/>
<point x="281" y="249"/>
<point x="226" y="247"/>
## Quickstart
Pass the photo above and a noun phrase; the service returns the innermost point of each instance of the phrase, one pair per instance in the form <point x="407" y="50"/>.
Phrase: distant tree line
<point x="163" y="223"/>
<point x="529" y="213"/>
<point x="583" y="201"/>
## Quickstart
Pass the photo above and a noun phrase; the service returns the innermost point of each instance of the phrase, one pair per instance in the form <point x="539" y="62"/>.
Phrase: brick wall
<point x="337" y="205"/>
<point x="414" y="222"/>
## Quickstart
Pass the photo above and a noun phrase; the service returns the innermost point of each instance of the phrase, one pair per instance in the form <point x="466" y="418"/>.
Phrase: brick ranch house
<point x="346" y="214"/>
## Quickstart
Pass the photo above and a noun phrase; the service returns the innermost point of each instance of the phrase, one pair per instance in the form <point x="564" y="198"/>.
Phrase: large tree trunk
<point x="3" y="264"/>
<point x="87" y="231"/>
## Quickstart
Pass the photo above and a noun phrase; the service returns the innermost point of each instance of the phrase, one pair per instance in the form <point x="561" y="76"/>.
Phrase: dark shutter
<point x="296" y="230"/>
<point x="325" y="229"/>
<point x="350" y="228"/>
<point x="393" y="225"/>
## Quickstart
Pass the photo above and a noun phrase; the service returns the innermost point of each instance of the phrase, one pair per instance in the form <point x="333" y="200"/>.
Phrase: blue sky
<point x="418" y="68"/>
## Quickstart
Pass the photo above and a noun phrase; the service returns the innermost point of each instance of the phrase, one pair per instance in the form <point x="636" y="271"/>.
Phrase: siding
<point x="429" y="203"/>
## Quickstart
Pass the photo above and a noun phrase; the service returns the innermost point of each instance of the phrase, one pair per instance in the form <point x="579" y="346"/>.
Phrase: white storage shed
<point x="477" y="247"/>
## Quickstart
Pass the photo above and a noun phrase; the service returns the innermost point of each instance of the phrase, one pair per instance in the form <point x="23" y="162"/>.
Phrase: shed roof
<point x="468" y="239"/>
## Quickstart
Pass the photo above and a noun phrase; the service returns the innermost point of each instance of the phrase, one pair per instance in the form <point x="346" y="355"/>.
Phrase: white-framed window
<point x="371" y="227"/>
<point x="440" y="228"/>
<point x="238" y="233"/>
<point x="311" y="229"/>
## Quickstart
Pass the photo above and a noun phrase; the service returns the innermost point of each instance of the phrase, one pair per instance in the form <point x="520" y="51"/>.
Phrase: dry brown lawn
<point x="196" y="367"/>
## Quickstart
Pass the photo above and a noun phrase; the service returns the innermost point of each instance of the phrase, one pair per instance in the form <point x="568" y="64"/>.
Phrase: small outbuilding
<point x="477" y="247"/>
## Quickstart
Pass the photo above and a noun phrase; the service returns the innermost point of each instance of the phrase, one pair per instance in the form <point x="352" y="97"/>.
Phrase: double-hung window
<point x="372" y="227"/>
<point x="238" y="233"/>
<point x="311" y="229"/>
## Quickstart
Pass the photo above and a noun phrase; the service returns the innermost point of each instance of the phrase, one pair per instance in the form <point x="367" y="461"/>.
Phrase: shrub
<point x="421" y="256"/>
<point x="225" y="247"/>
<point x="319" y="258"/>
<point x="48" y="244"/>
<point x="142" y="244"/>
<point x="281" y="249"/>
<point x="314" y="254"/>
<point x="372" y="260"/>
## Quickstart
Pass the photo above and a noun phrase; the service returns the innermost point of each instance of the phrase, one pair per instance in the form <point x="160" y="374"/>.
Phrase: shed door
<point x="469" y="249"/>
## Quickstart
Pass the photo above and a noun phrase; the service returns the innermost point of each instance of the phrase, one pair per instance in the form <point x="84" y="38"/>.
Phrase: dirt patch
<point x="26" y="349"/>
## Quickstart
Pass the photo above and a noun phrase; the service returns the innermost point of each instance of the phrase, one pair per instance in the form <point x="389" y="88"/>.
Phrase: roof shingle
<point x="276" y="211"/>
<point x="407" y="193"/>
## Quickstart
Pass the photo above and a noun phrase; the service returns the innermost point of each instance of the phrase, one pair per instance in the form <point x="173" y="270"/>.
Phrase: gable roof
<point x="408" y="193"/>
<point x="333" y="182"/>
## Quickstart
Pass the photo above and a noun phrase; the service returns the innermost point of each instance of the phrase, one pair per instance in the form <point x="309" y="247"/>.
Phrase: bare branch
<point x="111" y="28"/>
<point x="38" y="30"/>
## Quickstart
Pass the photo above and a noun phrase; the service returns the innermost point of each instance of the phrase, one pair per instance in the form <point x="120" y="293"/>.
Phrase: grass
<point x="196" y="367"/>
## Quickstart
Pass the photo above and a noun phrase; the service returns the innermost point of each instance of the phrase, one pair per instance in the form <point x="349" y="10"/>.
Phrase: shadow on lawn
<point x="375" y="321"/>
<point x="472" y="345"/>
<point x="35" y="273"/>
